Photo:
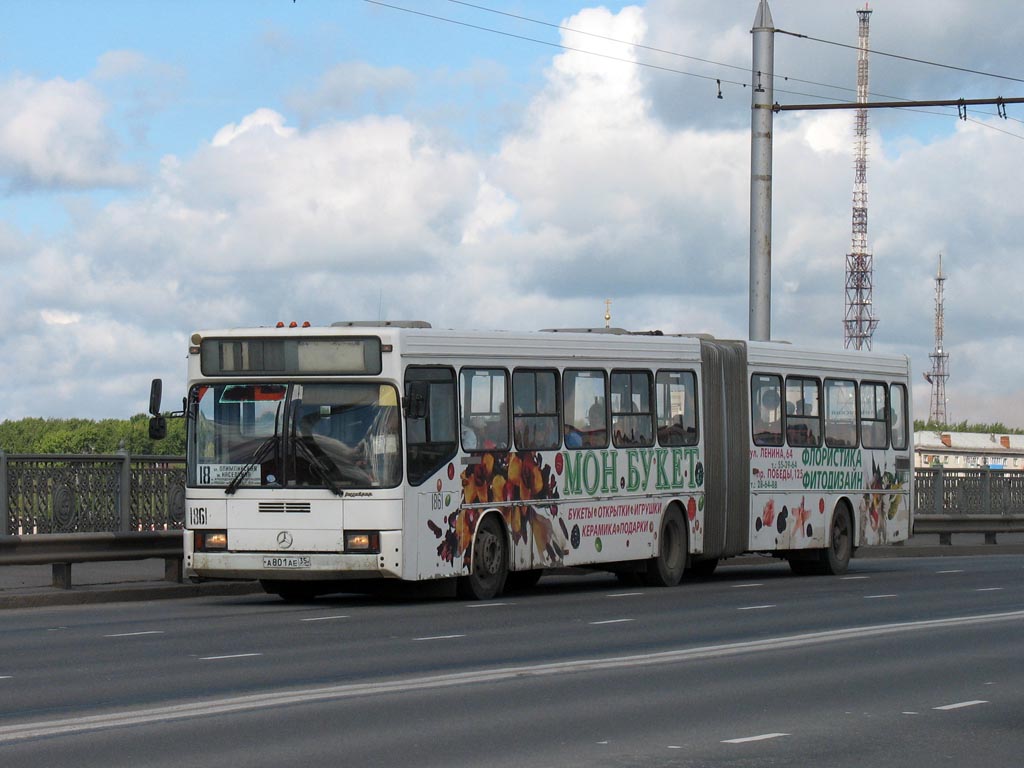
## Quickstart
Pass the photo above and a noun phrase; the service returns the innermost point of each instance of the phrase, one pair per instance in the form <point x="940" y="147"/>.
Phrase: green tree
<point x="76" y="436"/>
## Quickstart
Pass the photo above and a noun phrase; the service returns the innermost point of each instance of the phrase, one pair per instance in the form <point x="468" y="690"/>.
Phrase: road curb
<point x="127" y="593"/>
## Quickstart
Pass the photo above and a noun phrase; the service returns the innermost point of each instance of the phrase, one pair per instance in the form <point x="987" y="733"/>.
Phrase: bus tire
<point x="835" y="558"/>
<point x="666" y="570"/>
<point x="489" y="569"/>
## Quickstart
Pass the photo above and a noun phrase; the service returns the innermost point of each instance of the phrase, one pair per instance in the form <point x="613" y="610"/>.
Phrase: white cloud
<point x="53" y="134"/>
<point x="260" y="119"/>
<point x="613" y="182"/>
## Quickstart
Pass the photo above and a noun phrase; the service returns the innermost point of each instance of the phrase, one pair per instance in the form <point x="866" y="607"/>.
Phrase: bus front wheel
<point x="666" y="570"/>
<point x="489" y="568"/>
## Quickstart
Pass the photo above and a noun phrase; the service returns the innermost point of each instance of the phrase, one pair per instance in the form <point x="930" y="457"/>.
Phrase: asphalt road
<point x="910" y="662"/>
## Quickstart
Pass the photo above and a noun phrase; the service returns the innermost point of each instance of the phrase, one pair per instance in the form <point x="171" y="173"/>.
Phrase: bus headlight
<point x="362" y="541"/>
<point x="206" y="541"/>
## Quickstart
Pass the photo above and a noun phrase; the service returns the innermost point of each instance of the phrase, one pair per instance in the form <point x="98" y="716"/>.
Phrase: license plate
<point x="291" y="561"/>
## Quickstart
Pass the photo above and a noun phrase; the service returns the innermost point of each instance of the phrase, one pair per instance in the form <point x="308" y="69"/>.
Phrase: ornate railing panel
<point x="90" y="494"/>
<point x="969" y="492"/>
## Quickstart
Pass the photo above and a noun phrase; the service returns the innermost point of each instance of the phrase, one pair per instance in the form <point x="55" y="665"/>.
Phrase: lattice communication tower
<point x="859" y="325"/>
<point x="940" y="358"/>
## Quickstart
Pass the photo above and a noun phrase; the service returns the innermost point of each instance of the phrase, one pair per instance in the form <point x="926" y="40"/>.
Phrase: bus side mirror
<point x="157" y="428"/>
<point x="416" y="400"/>
<point x="156" y="390"/>
<point x="157" y="423"/>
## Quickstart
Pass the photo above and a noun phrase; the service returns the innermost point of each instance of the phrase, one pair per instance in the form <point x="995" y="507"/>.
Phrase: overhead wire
<point x="901" y="57"/>
<point x="635" y="62"/>
<point x="790" y="78"/>
<point x="672" y="70"/>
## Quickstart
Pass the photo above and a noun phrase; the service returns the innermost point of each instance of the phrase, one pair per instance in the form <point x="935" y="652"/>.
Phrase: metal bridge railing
<point x="948" y="501"/>
<point x="65" y="509"/>
<point x="52" y="493"/>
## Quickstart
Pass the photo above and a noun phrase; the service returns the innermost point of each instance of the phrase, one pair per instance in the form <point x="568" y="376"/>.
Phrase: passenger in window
<point x="573" y="438"/>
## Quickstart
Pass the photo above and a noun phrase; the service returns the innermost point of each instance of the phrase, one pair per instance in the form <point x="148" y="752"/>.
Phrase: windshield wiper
<point x="257" y="459"/>
<point x="318" y="466"/>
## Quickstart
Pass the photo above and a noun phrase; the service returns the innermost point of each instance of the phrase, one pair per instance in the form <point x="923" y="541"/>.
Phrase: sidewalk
<point x="30" y="586"/>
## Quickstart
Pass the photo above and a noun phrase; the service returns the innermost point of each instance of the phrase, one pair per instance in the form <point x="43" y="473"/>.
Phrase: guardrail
<point x="61" y="550"/>
<point x="62" y="509"/>
<point x="988" y="501"/>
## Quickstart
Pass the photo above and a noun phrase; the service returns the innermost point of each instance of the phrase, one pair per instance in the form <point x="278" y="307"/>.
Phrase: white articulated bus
<point x="396" y="450"/>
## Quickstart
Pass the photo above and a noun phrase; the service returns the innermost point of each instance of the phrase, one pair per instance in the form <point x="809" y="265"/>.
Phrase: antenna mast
<point x="940" y="359"/>
<point x="859" y="325"/>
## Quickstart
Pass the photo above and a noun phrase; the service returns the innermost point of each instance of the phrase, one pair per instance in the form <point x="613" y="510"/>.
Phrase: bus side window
<point x="898" y="411"/>
<point x="484" y="409"/>
<point x="430" y="438"/>
<point x="840" y="413"/>
<point x="803" y="414"/>
<point x="874" y="417"/>
<point x="766" y="409"/>
<point x="676" y="396"/>
<point x="632" y="422"/>
<point x="584" y="408"/>
<point x="535" y="419"/>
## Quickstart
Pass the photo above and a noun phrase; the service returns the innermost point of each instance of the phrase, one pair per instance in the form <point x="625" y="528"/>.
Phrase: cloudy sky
<point x="171" y="166"/>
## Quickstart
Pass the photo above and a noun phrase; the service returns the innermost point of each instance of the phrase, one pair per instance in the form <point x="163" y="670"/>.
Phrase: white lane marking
<point x="624" y="594"/>
<point x="6" y="677"/>
<point x="853" y="578"/>
<point x="438" y="637"/>
<point x="989" y="589"/>
<point x="57" y="629"/>
<point x="138" y="634"/>
<point x="911" y="713"/>
<point x="754" y="607"/>
<point x="762" y="737"/>
<point x="231" y="656"/>
<point x="960" y="705"/>
<point x="878" y="597"/>
<point x="485" y="605"/>
<point x="745" y="586"/>
<point x="325" y="618"/>
<point x="271" y="699"/>
<point x="956" y="570"/>
<point x="674" y="746"/>
<point x="610" y="621"/>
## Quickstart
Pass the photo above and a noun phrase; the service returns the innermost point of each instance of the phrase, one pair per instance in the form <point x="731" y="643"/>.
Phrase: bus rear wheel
<point x="835" y="558"/>
<point x="666" y="570"/>
<point x="489" y="568"/>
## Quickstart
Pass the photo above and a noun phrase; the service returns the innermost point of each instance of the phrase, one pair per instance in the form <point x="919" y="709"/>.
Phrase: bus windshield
<point x="324" y="435"/>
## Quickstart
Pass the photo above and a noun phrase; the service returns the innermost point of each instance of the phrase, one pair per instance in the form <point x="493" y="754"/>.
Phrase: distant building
<point x="968" y="450"/>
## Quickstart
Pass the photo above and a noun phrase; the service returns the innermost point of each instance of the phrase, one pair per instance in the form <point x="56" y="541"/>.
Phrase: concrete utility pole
<point x="761" y="117"/>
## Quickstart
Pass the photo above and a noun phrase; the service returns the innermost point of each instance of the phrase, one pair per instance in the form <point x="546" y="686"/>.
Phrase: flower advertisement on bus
<point x="795" y="490"/>
<point x="580" y="506"/>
